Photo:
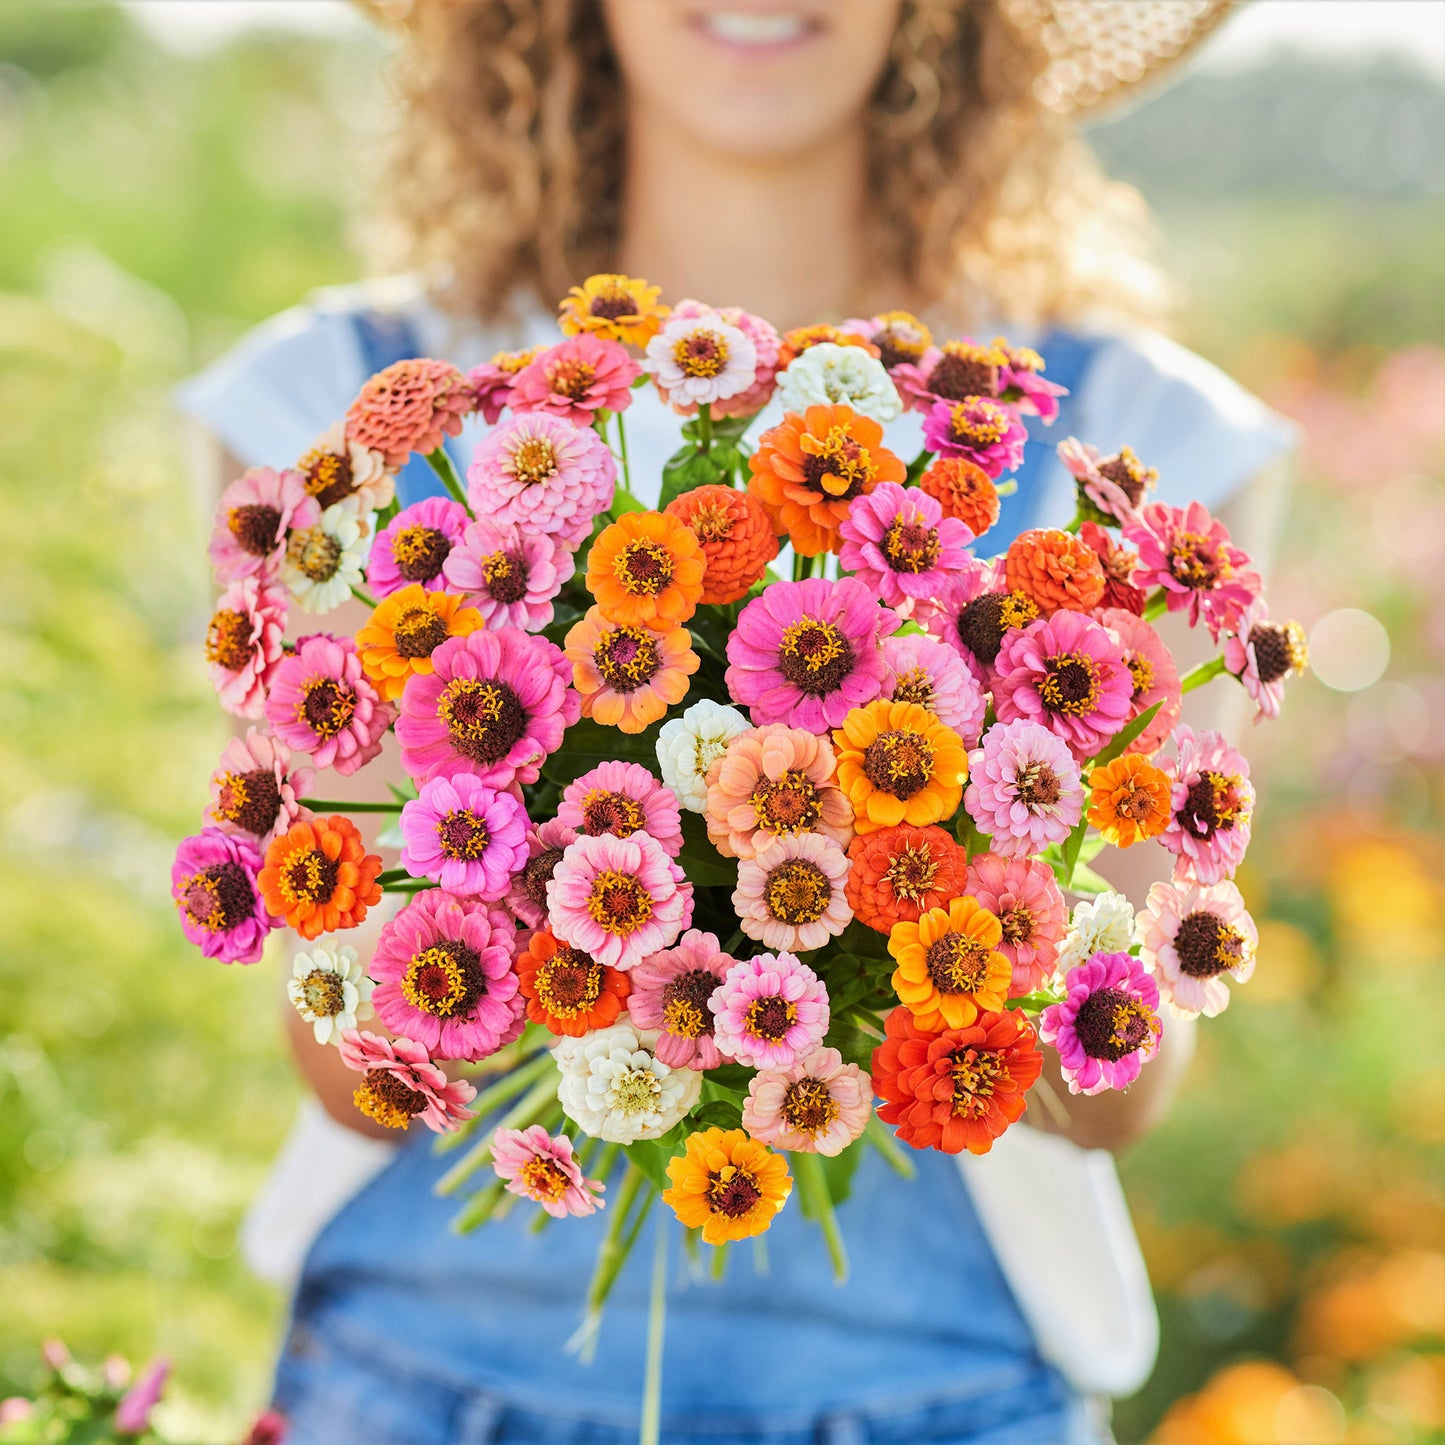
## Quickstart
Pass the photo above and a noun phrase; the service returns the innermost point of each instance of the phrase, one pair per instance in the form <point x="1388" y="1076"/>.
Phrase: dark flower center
<point x="1018" y="925"/>
<point x="838" y="466"/>
<point x="326" y="707"/>
<point x="1112" y="1024"/>
<point x="329" y="479"/>
<point x="899" y="762"/>
<point x="770" y="1018"/>
<point x="537" y="874"/>
<point x="1071" y="684"/>
<point x="1037" y="785"/>
<point x="608" y="812"/>
<point x="419" y="552"/>
<point x="815" y="656"/>
<point x="975" y="1074"/>
<point x="571" y="378"/>
<point x="685" y="1010"/>
<point x="733" y="1192"/>
<point x="627" y="658"/>
<point x="1207" y="945"/>
<point x="569" y="983"/>
<point x="964" y="371"/>
<point x="1278" y="649"/>
<point x="1213" y="805"/>
<point x="911" y="872"/>
<point x="958" y="963"/>
<point x="984" y="622"/>
<point x="788" y="803"/>
<point x="506" y="576"/>
<point x="643" y="568"/>
<point x="808" y="1106"/>
<point x="389" y="1100"/>
<point x="618" y="902"/>
<point x="228" y="640"/>
<point x="1129" y="474"/>
<point x="310" y="876"/>
<point x="418" y="632"/>
<point x="700" y="354"/>
<point x="219" y="897"/>
<point x="798" y="891"/>
<point x="249" y="800"/>
<point x="613" y="306"/>
<point x="445" y="980"/>
<point x="462" y="835"/>
<point x="315" y="554"/>
<point x="484" y="719"/>
<point x="1198" y="562"/>
<point x="1142" y="671"/>
<point x="254" y="527"/>
<point x="910" y="545"/>
<point x="915" y="685"/>
<point x="323" y="993"/>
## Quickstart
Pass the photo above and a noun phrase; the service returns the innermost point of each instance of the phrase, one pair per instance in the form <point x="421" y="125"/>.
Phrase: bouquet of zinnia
<point x="704" y="853"/>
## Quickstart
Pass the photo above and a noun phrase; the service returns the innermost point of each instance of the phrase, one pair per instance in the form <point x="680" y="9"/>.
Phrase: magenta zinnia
<point x="1262" y="654"/>
<point x="414" y="546"/>
<point x="983" y="432"/>
<point x="213" y="881"/>
<point x="322" y="702"/>
<point x="508" y="575"/>
<point x="898" y="543"/>
<point x="1213" y="802"/>
<point x="670" y="993"/>
<point x="1107" y="1027"/>
<point x="465" y="835"/>
<point x="545" y="846"/>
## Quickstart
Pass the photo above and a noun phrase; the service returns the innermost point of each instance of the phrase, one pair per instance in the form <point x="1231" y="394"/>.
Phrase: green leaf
<point x="864" y="942"/>
<point x="701" y="863"/>
<point x="588" y="743"/>
<point x="720" y="1113"/>
<point x="1085" y="880"/>
<point x="1126" y="735"/>
<point x="652" y="1155"/>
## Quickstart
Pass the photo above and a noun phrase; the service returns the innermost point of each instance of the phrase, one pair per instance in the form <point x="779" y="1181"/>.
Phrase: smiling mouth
<point x="754" y="31"/>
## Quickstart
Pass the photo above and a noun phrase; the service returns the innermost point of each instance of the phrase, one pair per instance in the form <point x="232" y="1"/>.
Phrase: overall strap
<point x="381" y="339"/>
<point x="1068" y="356"/>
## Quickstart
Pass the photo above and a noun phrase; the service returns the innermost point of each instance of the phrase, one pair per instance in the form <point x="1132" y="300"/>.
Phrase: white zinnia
<point x="1100" y="925"/>
<point x="323" y="563"/>
<point x="615" y="1088"/>
<point x="701" y="359"/>
<point x="828" y="374"/>
<point x="372" y="486"/>
<point x="330" y="990"/>
<point x="689" y="745"/>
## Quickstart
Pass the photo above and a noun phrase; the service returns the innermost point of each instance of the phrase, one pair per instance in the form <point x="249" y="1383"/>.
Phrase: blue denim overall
<point x="404" y="1333"/>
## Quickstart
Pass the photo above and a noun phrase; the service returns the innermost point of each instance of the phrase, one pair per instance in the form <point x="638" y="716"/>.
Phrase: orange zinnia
<point x="726" y="1184"/>
<point x="736" y="536"/>
<point x="949" y="967"/>
<point x="898" y="764"/>
<point x="319" y="877"/>
<point x="964" y="490"/>
<point x="807" y="470"/>
<point x="1129" y="800"/>
<point x="899" y="873"/>
<point x="567" y="991"/>
<point x="1055" y="569"/>
<point x="404" y="631"/>
<point x="646" y="570"/>
<point x="801" y="338"/>
<point x="628" y="676"/>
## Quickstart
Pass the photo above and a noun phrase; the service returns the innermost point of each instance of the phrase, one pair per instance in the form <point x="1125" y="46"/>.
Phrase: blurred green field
<point x="156" y="205"/>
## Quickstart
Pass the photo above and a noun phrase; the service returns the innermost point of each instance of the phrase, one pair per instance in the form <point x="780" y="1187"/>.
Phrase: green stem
<point x="1156" y="606"/>
<point x="801" y="566"/>
<point x="918" y="465"/>
<point x="480" y="1207"/>
<point x="507" y="1088"/>
<point x="536" y="1102"/>
<point x="760" y="1255"/>
<point x="1075" y="523"/>
<point x="399" y="877"/>
<point x="718" y="1265"/>
<point x="441" y="464"/>
<point x="1198" y="676"/>
<point x="363" y="597"/>
<point x="656" y="1333"/>
<point x="622" y="448"/>
<point x="328" y="805"/>
<point x="704" y="427"/>
<point x="882" y="1140"/>
<point x="612" y="1256"/>
<point x="820" y="1200"/>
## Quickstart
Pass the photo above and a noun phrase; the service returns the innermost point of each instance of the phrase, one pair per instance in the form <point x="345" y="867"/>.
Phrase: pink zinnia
<point x="1262" y="654"/>
<point x="213" y="881"/>
<point x="1068" y="673"/>
<point x="984" y="432"/>
<point x="444" y="976"/>
<point x="1118" y="563"/>
<point x="670" y="992"/>
<point x="133" y="1410"/>
<point x="973" y="611"/>
<point x="769" y="1011"/>
<point x="491" y="382"/>
<point x="1153" y="674"/>
<point x="957" y="371"/>
<point x="411" y="406"/>
<point x="697" y="360"/>
<point x="545" y="846"/>
<point x="1213" y="802"/>
<point x="1188" y="553"/>
<point x="898" y="543"/>
<point x="254" y="788"/>
<point x="1023" y="788"/>
<point x="1107" y="1028"/>
<point x="465" y="835"/>
<point x="622" y="799"/>
<point x="576" y="379"/>
<point x="543" y="473"/>
<point x="1023" y="388"/>
<point x="1114" y="486"/>
<point x="256" y="512"/>
<point x="508" y="575"/>
<point x="496" y="703"/>
<point x="767" y="345"/>
<point x="404" y="1082"/>
<point x="322" y="702"/>
<point x="414" y="546"/>
<point x="543" y="1169"/>
<point x="807" y="653"/>
<point x="818" y="1105"/>
<point x="244" y="643"/>
<point x="618" y="899"/>
<point x="791" y="895"/>
<point x="935" y="676"/>
<point x="1193" y="939"/>
<point x="1022" y="894"/>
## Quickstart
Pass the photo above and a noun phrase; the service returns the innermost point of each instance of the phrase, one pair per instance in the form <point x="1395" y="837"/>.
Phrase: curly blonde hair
<point x="506" y="171"/>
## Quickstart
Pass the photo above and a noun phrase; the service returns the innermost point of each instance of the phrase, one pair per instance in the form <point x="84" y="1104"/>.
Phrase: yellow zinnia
<point x="949" y="967"/>
<point x="727" y="1185"/>
<point x="617" y="308"/>
<point x="898" y="764"/>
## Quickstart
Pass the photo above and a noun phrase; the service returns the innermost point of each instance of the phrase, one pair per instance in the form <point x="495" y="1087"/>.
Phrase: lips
<point x="755" y="30"/>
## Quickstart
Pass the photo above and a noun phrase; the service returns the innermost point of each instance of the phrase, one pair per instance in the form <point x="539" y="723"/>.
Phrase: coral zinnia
<point x="411" y="406"/>
<point x="804" y="338"/>
<point x="965" y="492"/>
<point x="244" y="644"/>
<point x="807" y="470"/>
<point x="543" y="1169"/>
<point x="956" y="1089"/>
<point x="819" y="1105"/>
<point x="567" y="991"/>
<point x="790" y="896"/>
<point x="670" y="992"/>
<point x="1213" y="803"/>
<point x="213" y="881"/>
<point x="403" y="632"/>
<point x="898" y="543"/>
<point x="628" y="677"/>
<point x="509" y="576"/>
<point x="727" y="1185"/>
<point x="1108" y="1025"/>
<point x="319" y="877"/>
<point x="1128" y="800"/>
<point x="256" y="512"/>
<point x="646" y="570"/>
<point x="769" y="1010"/>
<point x="898" y="764"/>
<point x="1055" y="569"/>
<point x="1194" y="938"/>
<point x="621" y="308"/>
<point x="1155" y="677"/>
<point x="1022" y="894"/>
<point x="735" y="534"/>
<point x="622" y="798"/>
<point x="576" y="379"/>
<point x="773" y="782"/>
<point x="403" y="1084"/>
<point x="949" y="968"/>
<point x="415" y="544"/>
<point x="255" y="788"/>
<point x="322" y="703"/>
<point x="898" y="874"/>
<point x="465" y="835"/>
<point x="982" y="432"/>
<point x="1118" y="563"/>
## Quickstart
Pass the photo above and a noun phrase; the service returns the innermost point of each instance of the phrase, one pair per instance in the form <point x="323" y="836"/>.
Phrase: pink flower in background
<point x="769" y="1011"/>
<point x="576" y="379"/>
<point x="545" y="846"/>
<point x="984" y="432"/>
<point x="1154" y="677"/>
<point x="254" y="788"/>
<point x="444" y="976"/>
<point x="508" y="575"/>
<point x="403" y="1084"/>
<point x="1022" y="894"/>
<point x="322" y="702"/>
<point x="491" y="382"/>
<point x="898" y="543"/>
<point x="133" y="1411"/>
<point x="213" y="881"/>
<point x="670" y="992"/>
<point x="544" y="474"/>
<point x="1115" y="485"/>
<point x="541" y="1168"/>
<point x="1023" y="788"/>
<point x="1195" y="938"/>
<point x="962" y="370"/>
<point x="1188" y="553"/>
<point x="696" y="360"/>
<point x="618" y="899"/>
<point x="767" y="345"/>
<point x="622" y="799"/>
<point x="792" y="894"/>
<point x="973" y="611"/>
<point x="935" y="676"/>
<point x="256" y="512"/>
<point x="414" y="546"/>
<point x="818" y="1105"/>
<point x="244" y="643"/>
<point x="1118" y="563"/>
<point x="1262" y="655"/>
<point x="1213" y="802"/>
<point x="411" y="406"/>
<point x="1108" y="1027"/>
<point x="1022" y="386"/>
<point x="268" y="1428"/>
<point x="465" y="835"/>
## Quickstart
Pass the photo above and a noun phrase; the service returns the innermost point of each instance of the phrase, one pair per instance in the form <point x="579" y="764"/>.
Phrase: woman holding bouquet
<point x="807" y="160"/>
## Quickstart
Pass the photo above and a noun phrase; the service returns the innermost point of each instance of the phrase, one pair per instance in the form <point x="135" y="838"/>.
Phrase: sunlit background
<point x="173" y="172"/>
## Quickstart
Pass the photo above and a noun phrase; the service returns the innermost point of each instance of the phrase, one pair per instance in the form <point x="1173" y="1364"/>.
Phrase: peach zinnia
<point x="1054" y="569"/>
<point x="807" y="470"/>
<point x="406" y="628"/>
<point x="898" y="764"/>
<point x="949" y="965"/>
<point x="1129" y="800"/>
<point x="567" y="991"/>
<point x="319" y="877"/>
<point x="411" y="406"/>
<point x="628" y="676"/>
<point x="646" y="569"/>
<point x="736" y="536"/>
<point x="900" y="873"/>
<point x="727" y="1185"/>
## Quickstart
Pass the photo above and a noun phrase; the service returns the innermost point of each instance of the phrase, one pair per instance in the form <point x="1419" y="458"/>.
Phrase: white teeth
<point x="738" y="28"/>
